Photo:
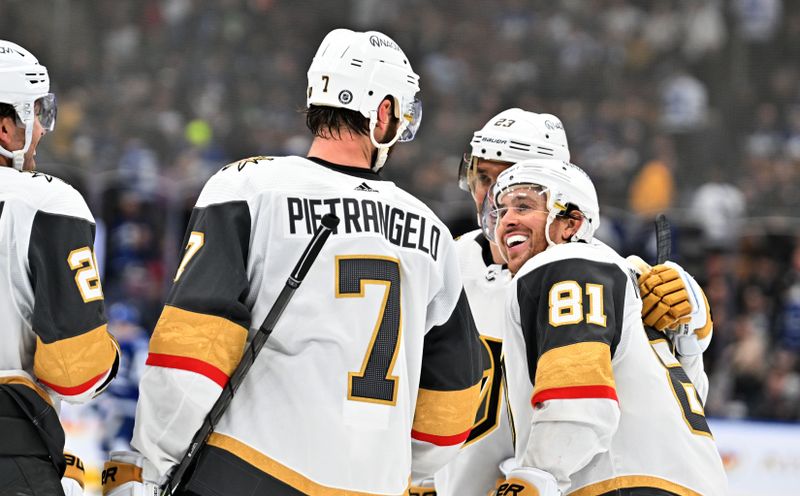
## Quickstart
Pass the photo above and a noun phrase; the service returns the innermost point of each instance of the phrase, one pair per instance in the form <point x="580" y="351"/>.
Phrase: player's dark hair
<point x="329" y="122"/>
<point x="7" y="110"/>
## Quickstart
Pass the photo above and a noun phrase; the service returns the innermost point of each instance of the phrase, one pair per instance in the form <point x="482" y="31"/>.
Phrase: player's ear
<point x="385" y="112"/>
<point x="7" y="129"/>
<point x="571" y="226"/>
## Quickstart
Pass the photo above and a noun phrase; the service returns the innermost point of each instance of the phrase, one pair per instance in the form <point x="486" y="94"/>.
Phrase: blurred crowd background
<point x="688" y="107"/>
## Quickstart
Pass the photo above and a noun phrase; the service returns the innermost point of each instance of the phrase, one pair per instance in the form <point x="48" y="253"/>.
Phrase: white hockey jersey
<point x="376" y="348"/>
<point x="598" y="400"/>
<point x="55" y="342"/>
<point x="475" y="469"/>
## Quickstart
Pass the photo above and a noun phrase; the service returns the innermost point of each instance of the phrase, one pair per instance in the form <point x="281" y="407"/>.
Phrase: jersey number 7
<point x="373" y="383"/>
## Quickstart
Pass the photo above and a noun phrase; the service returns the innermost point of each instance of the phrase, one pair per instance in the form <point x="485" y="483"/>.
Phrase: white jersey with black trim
<point x="370" y="377"/>
<point x="598" y="400"/>
<point x="55" y="341"/>
<point x="476" y="468"/>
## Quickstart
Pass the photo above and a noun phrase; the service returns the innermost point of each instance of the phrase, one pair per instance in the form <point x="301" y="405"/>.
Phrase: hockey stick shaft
<point x="663" y="239"/>
<point x="328" y="224"/>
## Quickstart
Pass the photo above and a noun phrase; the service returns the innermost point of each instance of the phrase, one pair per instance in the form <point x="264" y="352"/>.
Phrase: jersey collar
<point x="348" y="169"/>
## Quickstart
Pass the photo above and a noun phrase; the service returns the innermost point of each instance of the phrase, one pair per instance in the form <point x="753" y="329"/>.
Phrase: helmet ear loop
<point x="18" y="156"/>
<point x="582" y="233"/>
<point x="551" y="216"/>
<point x="574" y="214"/>
<point x="383" y="148"/>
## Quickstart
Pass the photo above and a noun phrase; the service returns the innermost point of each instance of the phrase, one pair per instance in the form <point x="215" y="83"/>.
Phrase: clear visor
<point x="488" y="216"/>
<point x="465" y="171"/>
<point x="46" y="110"/>
<point x="413" y="115"/>
<point x="522" y="200"/>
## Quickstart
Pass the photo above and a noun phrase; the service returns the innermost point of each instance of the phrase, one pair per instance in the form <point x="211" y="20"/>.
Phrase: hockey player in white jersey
<point x="508" y="137"/>
<point x="600" y="404"/>
<point x="511" y="136"/>
<point x="370" y="380"/>
<point x="55" y="342"/>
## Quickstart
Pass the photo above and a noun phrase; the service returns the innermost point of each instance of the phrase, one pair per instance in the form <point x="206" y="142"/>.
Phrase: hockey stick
<point x="663" y="252"/>
<point x="328" y="224"/>
<point x="663" y="239"/>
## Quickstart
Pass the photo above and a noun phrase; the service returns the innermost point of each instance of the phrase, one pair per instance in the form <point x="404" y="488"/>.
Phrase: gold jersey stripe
<point x="579" y="364"/>
<point x="446" y="413"/>
<point x="629" y="481"/>
<point x="208" y="338"/>
<point x="18" y="379"/>
<point x="281" y="472"/>
<point x="73" y="365"/>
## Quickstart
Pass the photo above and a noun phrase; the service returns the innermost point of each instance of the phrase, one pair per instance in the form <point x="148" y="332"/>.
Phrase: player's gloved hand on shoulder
<point x="525" y="481"/>
<point x="674" y="303"/>
<point x="422" y="488"/>
<point x="128" y="473"/>
<point x="665" y="301"/>
<point x="72" y="481"/>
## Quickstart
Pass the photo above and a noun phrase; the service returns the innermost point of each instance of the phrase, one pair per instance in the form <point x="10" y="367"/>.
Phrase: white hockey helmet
<point x="511" y="136"/>
<point x="25" y="85"/>
<point x="356" y="71"/>
<point x="566" y="186"/>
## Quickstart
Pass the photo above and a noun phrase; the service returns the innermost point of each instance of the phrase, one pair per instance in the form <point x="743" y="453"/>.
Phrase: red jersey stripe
<point x="575" y="392"/>
<point x="441" y="440"/>
<point x="74" y="390"/>
<point x="190" y="364"/>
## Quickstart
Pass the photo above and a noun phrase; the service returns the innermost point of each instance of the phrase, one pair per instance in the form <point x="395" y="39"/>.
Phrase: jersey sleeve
<point x="75" y="356"/>
<point x="571" y="315"/>
<point x="200" y="335"/>
<point x="449" y="390"/>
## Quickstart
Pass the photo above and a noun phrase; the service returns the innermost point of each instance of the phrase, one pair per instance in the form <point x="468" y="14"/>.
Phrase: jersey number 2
<point x="373" y="383"/>
<point x="86" y="278"/>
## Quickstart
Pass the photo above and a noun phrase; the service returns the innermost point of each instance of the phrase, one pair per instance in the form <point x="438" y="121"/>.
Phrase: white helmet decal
<point x="25" y="85"/>
<point x="356" y="71"/>
<point x="514" y="135"/>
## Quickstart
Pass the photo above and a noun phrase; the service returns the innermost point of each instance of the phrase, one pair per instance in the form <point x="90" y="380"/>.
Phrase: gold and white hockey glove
<point x="129" y="473"/>
<point x="422" y="488"/>
<point x="525" y="481"/>
<point x="674" y="303"/>
<point x="72" y="481"/>
<point x="665" y="301"/>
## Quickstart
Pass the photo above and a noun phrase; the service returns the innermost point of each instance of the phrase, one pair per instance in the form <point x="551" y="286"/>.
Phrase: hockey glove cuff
<point x="525" y="481"/>
<point x="422" y="488"/>
<point x="694" y="336"/>
<point x="128" y="473"/>
<point x="72" y="482"/>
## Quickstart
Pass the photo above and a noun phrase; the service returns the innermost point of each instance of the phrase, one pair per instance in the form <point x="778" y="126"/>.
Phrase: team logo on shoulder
<point x="242" y="163"/>
<point x="345" y="96"/>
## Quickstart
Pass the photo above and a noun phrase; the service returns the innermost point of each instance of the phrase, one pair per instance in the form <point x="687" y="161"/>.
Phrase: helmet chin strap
<point x="550" y="218"/>
<point x="18" y="156"/>
<point x="19" y="159"/>
<point x="383" y="148"/>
